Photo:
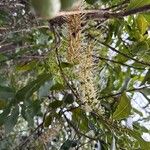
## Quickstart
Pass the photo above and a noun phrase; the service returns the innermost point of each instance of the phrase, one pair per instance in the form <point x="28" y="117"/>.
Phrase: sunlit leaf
<point x="26" y="67"/>
<point x="56" y="85"/>
<point x="142" y="24"/>
<point x="147" y="17"/>
<point x="123" y="109"/>
<point x="138" y="3"/>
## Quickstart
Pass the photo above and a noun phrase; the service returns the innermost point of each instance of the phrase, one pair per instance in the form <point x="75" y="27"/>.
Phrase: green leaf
<point x="66" y="65"/>
<point x="123" y="109"/>
<point x="44" y="89"/>
<point x="23" y="111"/>
<point x="56" y="85"/>
<point x="67" y="4"/>
<point x="35" y="106"/>
<point x="6" y="93"/>
<point x="138" y="3"/>
<point x="48" y="120"/>
<point x="91" y="2"/>
<point x="146" y="78"/>
<point x="3" y="104"/>
<point x="145" y="96"/>
<point x="147" y="17"/>
<point x="145" y="91"/>
<point x="141" y="129"/>
<point x="137" y="111"/>
<point x="105" y="1"/>
<point x="31" y="87"/>
<point x="2" y="57"/>
<point x="30" y="109"/>
<point x="26" y="67"/>
<point x="11" y="120"/>
<point x="3" y="17"/>
<point x="139" y="47"/>
<point x="4" y="115"/>
<point x="142" y="24"/>
<point x="68" y="98"/>
<point x="29" y="117"/>
<point x="68" y="144"/>
<point x="144" y="144"/>
<point x="56" y="104"/>
<point x="80" y="119"/>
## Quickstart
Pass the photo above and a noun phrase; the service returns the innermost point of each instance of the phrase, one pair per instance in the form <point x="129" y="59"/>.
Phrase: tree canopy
<point x="75" y="76"/>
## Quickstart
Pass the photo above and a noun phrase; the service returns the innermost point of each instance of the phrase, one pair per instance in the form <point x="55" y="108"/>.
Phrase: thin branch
<point x="10" y="47"/>
<point x="97" y="14"/>
<point x="28" y="139"/>
<point x="57" y="42"/>
<point x="76" y="129"/>
<point x="101" y="13"/>
<point x="145" y="8"/>
<point x="22" y="30"/>
<point x="117" y="62"/>
<point x="123" y="54"/>
<point x="119" y="93"/>
<point x="82" y="144"/>
<point x="64" y="77"/>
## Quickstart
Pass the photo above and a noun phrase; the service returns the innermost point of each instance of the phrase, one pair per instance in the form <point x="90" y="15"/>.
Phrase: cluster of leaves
<point x="38" y="88"/>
